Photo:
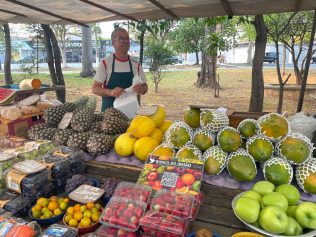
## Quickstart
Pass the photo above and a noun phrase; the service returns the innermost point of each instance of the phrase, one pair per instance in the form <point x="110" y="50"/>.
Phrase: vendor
<point x="117" y="71"/>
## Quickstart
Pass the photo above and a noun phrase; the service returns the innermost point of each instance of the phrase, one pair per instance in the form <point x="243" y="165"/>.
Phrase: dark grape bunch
<point x="109" y="186"/>
<point x="75" y="181"/>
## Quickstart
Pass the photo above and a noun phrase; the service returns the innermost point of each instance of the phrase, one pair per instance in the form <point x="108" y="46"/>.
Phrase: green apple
<point x="291" y="211"/>
<point x="293" y="228"/>
<point x="305" y="214"/>
<point x="290" y="192"/>
<point x="263" y="187"/>
<point x="273" y="219"/>
<point x="247" y="209"/>
<point x="252" y="194"/>
<point x="275" y="199"/>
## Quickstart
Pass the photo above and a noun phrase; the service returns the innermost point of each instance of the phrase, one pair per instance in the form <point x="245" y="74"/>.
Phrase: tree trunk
<point x="7" y="57"/>
<point x="281" y="84"/>
<point x="53" y="61"/>
<point x="306" y="70"/>
<point x="87" y="67"/>
<point x="257" y="86"/>
<point x="197" y="62"/>
<point x="64" y="56"/>
<point x="97" y="56"/>
<point x="284" y="60"/>
<point x="249" y="52"/>
<point x="141" y="46"/>
<point x="296" y="70"/>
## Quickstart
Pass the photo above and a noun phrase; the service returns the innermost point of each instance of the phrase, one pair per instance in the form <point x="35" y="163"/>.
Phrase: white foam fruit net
<point x="196" y="152"/>
<point x="164" y="146"/>
<point x="267" y="117"/>
<point x="220" y="119"/>
<point x="246" y="121"/>
<point x="173" y="128"/>
<point x="278" y="161"/>
<point x="303" y="171"/>
<point x="240" y="152"/>
<point x="299" y="137"/>
<point x="217" y="154"/>
<point x="261" y="137"/>
<point x="207" y="133"/>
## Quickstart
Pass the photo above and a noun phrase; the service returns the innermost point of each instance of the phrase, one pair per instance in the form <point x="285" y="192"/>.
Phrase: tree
<point x="219" y="36"/>
<point x="7" y="58"/>
<point x="158" y="52"/>
<point x="53" y="61"/>
<point x="295" y="36"/>
<point x="249" y="34"/>
<point x="277" y="24"/>
<point x="257" y="85"/>
<point x="96" y="32"/>
<point x="87" y="67"/>
<point x="61" y="32"/>
<point x="188" y="37"/>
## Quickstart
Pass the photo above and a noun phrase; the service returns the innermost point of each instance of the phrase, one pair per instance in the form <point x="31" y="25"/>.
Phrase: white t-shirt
<point x="104" y="69"/>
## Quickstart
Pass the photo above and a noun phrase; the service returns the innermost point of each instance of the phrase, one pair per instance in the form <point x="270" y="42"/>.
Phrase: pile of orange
<point x="49" y="207"/>
<point x="83" y="215"/>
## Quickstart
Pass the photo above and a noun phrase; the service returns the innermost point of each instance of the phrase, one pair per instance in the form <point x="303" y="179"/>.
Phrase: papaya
<point x="203" y="139"/>
<point x="215" y="160"/>
<point x="190" y="152"/>
<point x="247" y="128"/>
<point x="179" y="134"/>
<point x="278" y="171"/>
<point x="273" y="125"/>
<point x="164" y="152"/>
<point x="306" y="176"/>
<point x="192" y="117"/>
<point x="229" y="139"/>
<point x="260" y="148"/>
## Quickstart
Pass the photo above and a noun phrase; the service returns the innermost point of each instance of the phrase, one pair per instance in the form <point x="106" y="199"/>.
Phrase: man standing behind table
<point x="116" y="72"/>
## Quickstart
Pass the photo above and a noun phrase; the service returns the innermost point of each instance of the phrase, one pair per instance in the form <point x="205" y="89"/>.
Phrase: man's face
<point x="121" y="42"/>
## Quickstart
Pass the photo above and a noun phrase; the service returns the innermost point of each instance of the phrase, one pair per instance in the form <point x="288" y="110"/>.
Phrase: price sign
<point x="86" y="193"/>
<point x="29" y="167"/>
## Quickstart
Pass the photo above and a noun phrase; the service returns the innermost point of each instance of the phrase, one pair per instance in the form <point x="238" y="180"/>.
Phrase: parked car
<point x="171" y="60"/>
<point x="270" y="57"/>
<point x="72" y="58"/>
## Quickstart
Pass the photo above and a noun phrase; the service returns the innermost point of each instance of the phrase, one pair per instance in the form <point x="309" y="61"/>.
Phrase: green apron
<point x="117" y="79"/>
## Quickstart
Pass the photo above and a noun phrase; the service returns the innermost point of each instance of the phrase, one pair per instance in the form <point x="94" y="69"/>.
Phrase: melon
<point x="143" y="147"/>
<point x="159" y="116"/>
<point x="142" y="126"/>
<point x="157" y="135"/>
<point x="124" y="144"/>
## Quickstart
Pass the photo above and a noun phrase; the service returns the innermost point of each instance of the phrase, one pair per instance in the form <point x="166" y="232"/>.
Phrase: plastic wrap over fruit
<point x="133" y="191"/>
<point x="248" y="128"/>
<point x="213" y="120"/>
<point x="295" y="148"/>
<point x="215" y="160"/>
<point x="278" y="171"/>
<point x="260" y="147"/>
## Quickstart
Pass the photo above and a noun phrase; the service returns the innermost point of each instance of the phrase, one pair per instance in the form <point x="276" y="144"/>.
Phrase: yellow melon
<point x="159" y="116"/>
<point x="142" y="126"/>
<point x="129" y="129"/>
<point x="144" y="146"/>
<point x="157" y="135"/>
<point x="124" y="144"/>
<point x="165" y="125"/>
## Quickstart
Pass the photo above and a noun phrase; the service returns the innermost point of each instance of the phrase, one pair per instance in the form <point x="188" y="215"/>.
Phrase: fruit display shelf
<point x="215" y="213"/>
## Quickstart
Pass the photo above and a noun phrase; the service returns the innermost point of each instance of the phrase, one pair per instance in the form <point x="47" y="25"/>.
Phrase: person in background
<point x="115" y="73"/>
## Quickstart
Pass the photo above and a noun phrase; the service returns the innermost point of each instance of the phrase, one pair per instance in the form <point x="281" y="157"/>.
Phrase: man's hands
<point x="117" y="91"/>
<point x="140" y="89"/>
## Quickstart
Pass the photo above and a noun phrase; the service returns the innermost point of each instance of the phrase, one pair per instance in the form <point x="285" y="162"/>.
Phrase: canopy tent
<point x="91" y="11"/>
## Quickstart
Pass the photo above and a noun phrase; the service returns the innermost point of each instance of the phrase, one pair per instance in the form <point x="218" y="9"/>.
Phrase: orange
<point x="70" y="210"/>
<point x="77" y="207"/>
<point x="68" y="218"/>
<point x="53" y="199"/>
<point x="44" y="209"/>
<point x="43" y="202"/>
<point x="90" y="205"/>
<point x="57" y="212"/>
<point x="85" y="222"/>
<point x="73" y="223"/>
<point x="78" y="215"/>
<point x="188" y="179"/>
<point x="87" y="213"/>
<point x="36" y="208"/>
<point x="83" y="208"/>
<point x="52" y="206"/>
<point x="63" y="206"/>
<point x="66" y="200"/>
<point x="95" y="217"/>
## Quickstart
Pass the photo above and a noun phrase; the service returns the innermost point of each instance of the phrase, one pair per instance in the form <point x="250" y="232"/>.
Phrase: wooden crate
<point x="236" y="117"/>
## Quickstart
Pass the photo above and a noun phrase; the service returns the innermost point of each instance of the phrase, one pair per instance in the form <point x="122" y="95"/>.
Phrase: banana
<point x="247" y="234"/>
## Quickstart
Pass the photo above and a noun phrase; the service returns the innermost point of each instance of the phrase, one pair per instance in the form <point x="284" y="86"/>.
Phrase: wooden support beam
<point x="109" y="10"/>
<point x="161" y="7"/>
<point x="46" y="12"/>
<point x="227" y="7"/>
<point x="298" y="5"/>
<point x="13" y="13"/>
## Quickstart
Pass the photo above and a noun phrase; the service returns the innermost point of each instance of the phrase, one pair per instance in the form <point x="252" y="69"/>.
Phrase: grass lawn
<point x="177" y="90"/>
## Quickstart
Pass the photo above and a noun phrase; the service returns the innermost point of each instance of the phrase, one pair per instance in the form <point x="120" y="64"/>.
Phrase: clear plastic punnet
<point x="104" y="231"/>
<point x="198" y="200"/>
<point x="42" y="146"/>
<point x="57" y="230"/>
<point x="123" y="213"/>
<point x="17" y="204"/>
<point x="173" y="203"/>
<point x="11" y="142"/>
<point x="133" y="191"/>
<point x="27" y="154"/>
<point x="7" y="160"/>
<point x="162" y="224"/>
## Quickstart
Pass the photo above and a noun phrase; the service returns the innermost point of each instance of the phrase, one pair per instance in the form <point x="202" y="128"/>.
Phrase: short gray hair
<point x="118" y="29"/>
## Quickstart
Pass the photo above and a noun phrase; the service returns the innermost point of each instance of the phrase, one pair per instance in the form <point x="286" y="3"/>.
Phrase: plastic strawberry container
<point x="56" y="230"/>
<point x="123" y="213"/>
<point x="173" y="203"/>
<point x="133" y="191"/>
<point x="160" y="224"/>
<point x="105" y="231"/>
<point x="198" y="200"/>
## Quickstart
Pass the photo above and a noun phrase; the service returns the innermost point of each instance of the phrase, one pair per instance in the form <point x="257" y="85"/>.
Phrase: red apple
<point x="152" y="176"/>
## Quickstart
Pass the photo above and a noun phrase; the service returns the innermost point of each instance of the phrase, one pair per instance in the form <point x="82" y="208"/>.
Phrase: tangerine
<point x="188" y="179"/>
<point x="57" y="212"/>
<point x="78" y="215"/>
<point x="63" y="206"/>
<point x="66" y="200"/>
<point x="70" y="210"/>
<point x="90" y="205"/>
<point x="36" y="213"/>
<point x="73" y="223"/>
<point x="68" y="218"/>
<point x="52" y="206"/>
<point x="77" y="207"/>
<point x="85" y="222"/>
<point x="95" y="217"/>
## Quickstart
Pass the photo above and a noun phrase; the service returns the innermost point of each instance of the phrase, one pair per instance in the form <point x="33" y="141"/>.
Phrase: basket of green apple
<point x="276" y="211"/>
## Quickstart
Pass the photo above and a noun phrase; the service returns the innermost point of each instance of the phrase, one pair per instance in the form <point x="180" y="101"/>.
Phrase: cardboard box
<point x="20" y="126"/>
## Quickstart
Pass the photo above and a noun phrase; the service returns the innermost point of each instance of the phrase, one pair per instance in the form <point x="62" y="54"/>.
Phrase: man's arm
<point x="97" y="89"/>
<point x="141" y="89"/>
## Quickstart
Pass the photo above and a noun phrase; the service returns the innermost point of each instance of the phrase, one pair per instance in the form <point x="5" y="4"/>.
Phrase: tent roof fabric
<point x="91" y="11"/>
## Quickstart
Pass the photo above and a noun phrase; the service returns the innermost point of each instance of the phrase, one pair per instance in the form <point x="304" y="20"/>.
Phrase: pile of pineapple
<point x="143" y="135"/>
<point x="77" y="125"/>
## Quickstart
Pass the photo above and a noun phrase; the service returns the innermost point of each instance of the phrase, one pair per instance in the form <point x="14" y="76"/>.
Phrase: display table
<point x="216" y="212"/>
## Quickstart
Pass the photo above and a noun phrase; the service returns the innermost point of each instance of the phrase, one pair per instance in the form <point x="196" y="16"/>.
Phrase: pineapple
<point x="98" y="116"/>
<point x="82" y="120"/>
<point x="62" y="135"/>
<point x="54" y="115"/>
<point x="96" y="127"/>
<point x="42" y="134"/>
<point x="79" y="140"/>
<point x="100" y="143"/>
<point x="112" y="112"/>
<point x="113" y="125"/>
